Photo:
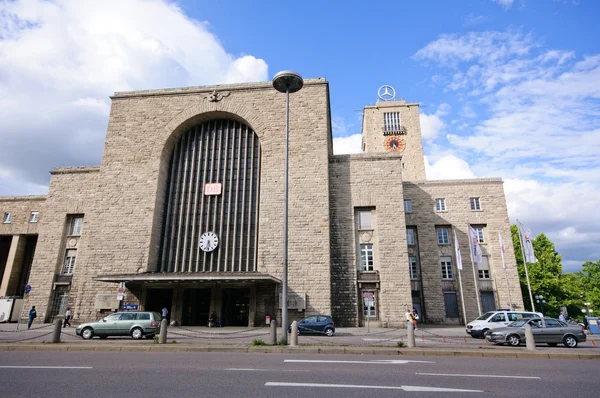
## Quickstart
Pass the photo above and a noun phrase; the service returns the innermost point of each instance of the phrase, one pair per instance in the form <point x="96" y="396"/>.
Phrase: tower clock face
<point x="209" y="241"/>
<point x="395" y="144"/>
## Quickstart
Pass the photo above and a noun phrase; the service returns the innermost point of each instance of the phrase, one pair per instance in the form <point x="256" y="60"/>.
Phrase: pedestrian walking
<point x="165" y="313"/>
<point x="415" y="316"/>
<point x="409" y="316"/>
<point x="586" y="323"/>
<point x="32" y="316"/>
<point x="561" y="317"/>
<point x="67" y="318"/>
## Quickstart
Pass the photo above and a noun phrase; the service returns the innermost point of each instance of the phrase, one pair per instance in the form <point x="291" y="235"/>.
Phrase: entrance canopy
<point x="183" y="277"/>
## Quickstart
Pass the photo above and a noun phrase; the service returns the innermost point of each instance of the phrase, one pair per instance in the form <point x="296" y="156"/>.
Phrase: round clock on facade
<point x="395" y="144"/>
<point x="209" y="241"/>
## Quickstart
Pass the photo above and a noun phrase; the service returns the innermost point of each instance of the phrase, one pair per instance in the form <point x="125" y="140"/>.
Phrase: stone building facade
<point x="186" y="211"/>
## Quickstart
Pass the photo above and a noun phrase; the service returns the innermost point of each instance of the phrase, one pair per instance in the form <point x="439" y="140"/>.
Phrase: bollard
<point x="529" y="337"/>
<point x="162" y="337"/>
<point x="273" y="332"/>
<point x="411" y="335"/>
<point x="294" y="337"/>
<point x="57" y="328"/>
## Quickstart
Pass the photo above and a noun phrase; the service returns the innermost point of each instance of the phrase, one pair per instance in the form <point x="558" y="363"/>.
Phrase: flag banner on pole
<point x="527" y="239"/>
<point x="502" y="249"/>
<point x="475" y="248"/>
<point x="457" y="249"/>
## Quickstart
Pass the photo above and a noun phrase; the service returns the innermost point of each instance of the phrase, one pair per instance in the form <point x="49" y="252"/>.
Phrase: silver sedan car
<point x="545" y="330"/>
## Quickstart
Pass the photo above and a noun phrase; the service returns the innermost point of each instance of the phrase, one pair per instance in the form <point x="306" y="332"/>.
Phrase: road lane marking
<point x="469" y="375"/>
<point x="46" y="367"/>
<point x="405" y="388"/>
<point x="267" y="370"/>
<point x="373" y="362"/>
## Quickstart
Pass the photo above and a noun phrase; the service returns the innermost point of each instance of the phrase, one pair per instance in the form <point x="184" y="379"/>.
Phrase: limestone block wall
<point x="493" y="216"/>
<point x="413" y="163"/>
<point x="21" y="208"/>
<point x="123" y="200"/>
<point x="368" y="181"/>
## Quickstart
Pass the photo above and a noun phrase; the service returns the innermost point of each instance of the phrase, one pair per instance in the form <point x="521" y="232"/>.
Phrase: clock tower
<point x="393" y="126"/>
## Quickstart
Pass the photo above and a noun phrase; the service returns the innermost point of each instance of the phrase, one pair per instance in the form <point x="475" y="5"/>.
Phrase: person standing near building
<point x="67" y="317"/>
<point x="32" y="316"/>
<point x="415" y="316"/>
<point x="165" y="313"/>
<point x="409" y="316"/>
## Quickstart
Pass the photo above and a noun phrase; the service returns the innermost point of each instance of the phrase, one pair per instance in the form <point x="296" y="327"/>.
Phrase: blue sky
<point x="508" y="89"/>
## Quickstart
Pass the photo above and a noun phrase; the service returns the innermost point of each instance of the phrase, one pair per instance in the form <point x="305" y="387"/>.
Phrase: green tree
<point x="545" y="276"/>
<point x="589" y="284"/>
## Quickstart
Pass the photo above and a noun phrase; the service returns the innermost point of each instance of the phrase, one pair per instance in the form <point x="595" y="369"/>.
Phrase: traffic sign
<point x="133" y="307"/>
<point x="27" y="289"/>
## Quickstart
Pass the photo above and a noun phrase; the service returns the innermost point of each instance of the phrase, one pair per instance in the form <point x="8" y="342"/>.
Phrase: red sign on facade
<point x="368" y="295"/>
<point x="212" y="189"/>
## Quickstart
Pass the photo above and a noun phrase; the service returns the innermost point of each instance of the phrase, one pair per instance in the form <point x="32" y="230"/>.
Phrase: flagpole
<point x="526" y="272"/>
<point x="474" y="271"/>
<point x="501" y="242"/>
<point x="462" y="295"/>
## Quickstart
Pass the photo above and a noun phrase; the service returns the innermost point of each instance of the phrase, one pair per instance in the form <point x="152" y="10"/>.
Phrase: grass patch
<point x="400" y="343"/>
<point x="258" y="342"/>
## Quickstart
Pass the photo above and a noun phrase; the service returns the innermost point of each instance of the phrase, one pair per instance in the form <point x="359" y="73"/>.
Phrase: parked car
<point x="545" y="330"/>
<point x="315" y="324"/>
<point x="497" y="319"/>
<point x="134" y="324"/>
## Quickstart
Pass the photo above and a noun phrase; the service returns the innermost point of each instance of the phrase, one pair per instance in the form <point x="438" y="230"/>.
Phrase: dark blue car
<point x="315" y="324"/>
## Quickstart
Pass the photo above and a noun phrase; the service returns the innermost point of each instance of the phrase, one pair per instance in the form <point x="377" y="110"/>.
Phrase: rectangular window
<point x="366" y="257"/>
<point x="413" y="268"/>
<point x="475" y="204"/>
<point x="369" y="307"/>
<point x="446" y="263"/>
<point x="479" y="231"/>
<point x="35" y="215"/>
<point x="75" y="226"/>
<point x="440" y="205"/>
<point x="442" y="236"/>
<point x="364" y="219"/>
<point x="7" y="217"/>
<point x="391" y="121"/>
<point x="407" y="206"/>
<point x="69" y="264"/>
<point x="484" y="268"/>
<point x="410" y="236"/>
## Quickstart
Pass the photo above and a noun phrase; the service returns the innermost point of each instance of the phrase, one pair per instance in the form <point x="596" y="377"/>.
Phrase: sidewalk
<point x="430" y="340"/>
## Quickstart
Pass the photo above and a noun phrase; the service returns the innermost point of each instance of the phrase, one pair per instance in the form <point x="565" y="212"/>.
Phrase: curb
<point x="328" y="350"/>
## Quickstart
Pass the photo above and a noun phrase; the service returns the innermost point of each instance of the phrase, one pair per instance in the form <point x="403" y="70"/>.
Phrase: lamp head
<point x="287" y="80"/>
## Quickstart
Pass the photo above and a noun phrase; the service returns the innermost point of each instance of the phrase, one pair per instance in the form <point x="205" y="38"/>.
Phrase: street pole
<point x="288" y="82"/>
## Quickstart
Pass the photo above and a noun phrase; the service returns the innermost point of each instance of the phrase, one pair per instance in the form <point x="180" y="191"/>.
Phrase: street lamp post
<point x="587" y="308"/>
<point x="540" y="300"/>
<point x="286" y="82"/>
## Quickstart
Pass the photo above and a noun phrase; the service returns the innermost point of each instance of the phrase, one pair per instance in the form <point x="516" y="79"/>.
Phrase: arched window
<point x="220" y="151"/>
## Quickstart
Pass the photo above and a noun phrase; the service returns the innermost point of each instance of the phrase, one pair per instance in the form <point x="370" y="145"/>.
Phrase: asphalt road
<point x="169" y="374"/>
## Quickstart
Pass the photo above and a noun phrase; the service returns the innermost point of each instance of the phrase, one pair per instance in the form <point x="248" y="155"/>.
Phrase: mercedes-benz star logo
<point x="386" y="93"/>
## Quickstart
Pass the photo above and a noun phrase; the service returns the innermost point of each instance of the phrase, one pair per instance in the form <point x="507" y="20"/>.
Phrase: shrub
<point x="400" y="343"/>
<point x="258" y="342"/>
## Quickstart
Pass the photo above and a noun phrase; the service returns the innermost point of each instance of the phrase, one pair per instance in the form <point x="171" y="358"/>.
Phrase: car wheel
<point x="513" y="340"/>
<point x="329" y="332"/>
<point x="87" y="333"/>
<point x="137" y="333"/>
<point x="552" y="344"/>
<point x="484" y="333"/>
<point x="103" y="337"/>
<point x="570" y="341"/>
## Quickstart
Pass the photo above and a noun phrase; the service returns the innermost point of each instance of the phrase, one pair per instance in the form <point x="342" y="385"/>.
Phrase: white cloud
<point x="447" y="167"/>
<point x="60" y="60"/>
<point x="504" y="3"/>
<point x="540" y="131"/>
<point x="347" y="145"/>
<point x="432" y="124"/>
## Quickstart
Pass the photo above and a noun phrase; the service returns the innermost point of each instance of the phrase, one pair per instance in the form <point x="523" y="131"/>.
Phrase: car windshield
<point x="485" y="316"/>
<point x="518" y="324"/>
<point x="113" y="317"/>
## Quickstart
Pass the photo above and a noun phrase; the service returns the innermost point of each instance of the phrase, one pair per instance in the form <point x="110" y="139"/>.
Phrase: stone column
<point x="252" y="307"/>
<point x="14" y="262"/>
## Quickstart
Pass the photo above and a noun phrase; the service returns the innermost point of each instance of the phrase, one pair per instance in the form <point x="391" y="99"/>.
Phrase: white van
<point x="496" y="319"/>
